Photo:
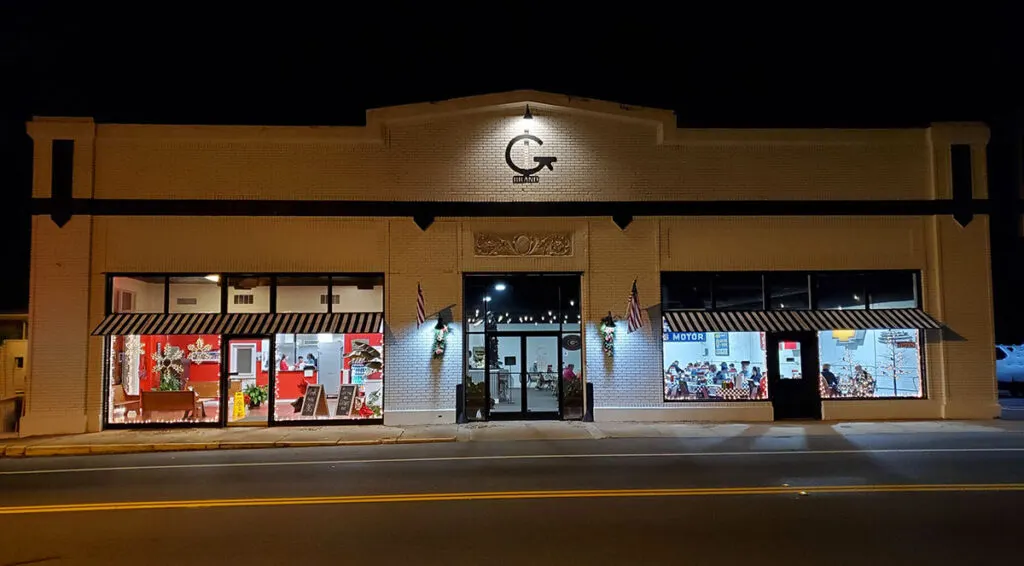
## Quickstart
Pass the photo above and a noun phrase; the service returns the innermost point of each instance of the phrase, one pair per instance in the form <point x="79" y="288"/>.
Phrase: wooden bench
<point x="172" y="401"/>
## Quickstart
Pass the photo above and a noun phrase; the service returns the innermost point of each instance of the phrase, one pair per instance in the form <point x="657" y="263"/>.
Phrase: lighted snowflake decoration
<point x="134" y="349"/>
<point x="169" y="359"/>
<point x="199" y="352"/>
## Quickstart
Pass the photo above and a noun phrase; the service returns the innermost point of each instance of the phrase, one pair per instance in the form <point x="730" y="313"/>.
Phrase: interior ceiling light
<point x="499" y="287"/>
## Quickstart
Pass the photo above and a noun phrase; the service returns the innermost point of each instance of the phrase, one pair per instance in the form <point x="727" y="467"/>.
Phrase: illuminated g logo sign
<point x="527" y="175"/>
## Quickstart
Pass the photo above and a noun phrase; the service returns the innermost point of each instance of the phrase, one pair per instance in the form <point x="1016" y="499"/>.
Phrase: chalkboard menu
<point x="346" y="400"/>
<point x="314" y="404"/>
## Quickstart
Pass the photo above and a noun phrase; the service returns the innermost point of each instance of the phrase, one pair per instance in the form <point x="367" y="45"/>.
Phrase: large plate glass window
<point x="334" y="375"/>
<point x="715" y="366"/>
<point x="164" y="379"/>
<point x="141" y="294"/>
<point x="194" y="294"/>
<point x="249" y="294"/>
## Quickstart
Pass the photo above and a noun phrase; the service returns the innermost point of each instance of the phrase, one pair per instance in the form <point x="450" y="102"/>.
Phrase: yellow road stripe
<point x="492" y="495"/>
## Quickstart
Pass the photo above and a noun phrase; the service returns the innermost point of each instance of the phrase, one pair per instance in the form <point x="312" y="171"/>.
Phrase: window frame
<point x="224" y="295"/>
<point x="812" y="285"/>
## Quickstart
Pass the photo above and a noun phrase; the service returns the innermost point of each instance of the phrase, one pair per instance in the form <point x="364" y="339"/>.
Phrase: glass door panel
<point x="248" y="381"/>
<point x="542" y="374"/>
<point x="572" y="377"/>
<point x="505" y="375"/>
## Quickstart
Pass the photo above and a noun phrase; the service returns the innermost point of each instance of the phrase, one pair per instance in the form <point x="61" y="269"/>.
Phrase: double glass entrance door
<point x="523" y="376"/>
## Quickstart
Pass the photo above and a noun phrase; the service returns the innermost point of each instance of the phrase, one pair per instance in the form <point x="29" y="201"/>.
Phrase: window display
<point x="870" y="364"/>
<point x="295" y="347"/>
<point x="715" y="366"/>
<point x="329" y="376"/>
<point x="164" y="379"/>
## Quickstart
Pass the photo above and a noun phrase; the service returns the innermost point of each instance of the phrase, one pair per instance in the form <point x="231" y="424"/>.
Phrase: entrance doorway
<point x="524" y="379"/>
<point x="246" y="399"/>
<point x="793" y="374"/>
<point x="523" y="348"/>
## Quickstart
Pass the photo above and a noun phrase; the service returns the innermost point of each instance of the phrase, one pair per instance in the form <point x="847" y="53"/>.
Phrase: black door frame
<point x="225" y="380"/>
<point x="524" y="413"/>
<point x="794" y="399"/>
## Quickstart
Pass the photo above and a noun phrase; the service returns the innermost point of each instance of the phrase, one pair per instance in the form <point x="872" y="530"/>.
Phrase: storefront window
<point x="248" y="294"/>
<point x="788" y="291"/>
<point x="357" y="294"/>
<point x="164" y="379"/>
<point x="892" y="290"/>
<point x="329" y="376"/>
<point x="572" y="376"/>
<point x="571" y="315"/>
<point x="303" y="294"/>
<point x="137" y="294"/>
<point x="686" y="291"/>
<point x="870" y="364"/>
<point x="194" y="294"/>
<point x="715" y="366"/>
<point x="840" y="291"/>
<point x="738" y="291"/>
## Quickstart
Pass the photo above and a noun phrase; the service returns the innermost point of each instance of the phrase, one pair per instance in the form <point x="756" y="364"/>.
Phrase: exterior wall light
<point x="528" y="115"/>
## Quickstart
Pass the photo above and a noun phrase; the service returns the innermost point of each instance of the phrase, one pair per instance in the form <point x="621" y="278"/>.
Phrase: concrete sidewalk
<point x="135" y="441"/>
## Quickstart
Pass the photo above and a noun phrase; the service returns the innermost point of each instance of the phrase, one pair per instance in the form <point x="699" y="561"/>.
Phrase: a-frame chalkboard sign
<point x="314" y="403"/>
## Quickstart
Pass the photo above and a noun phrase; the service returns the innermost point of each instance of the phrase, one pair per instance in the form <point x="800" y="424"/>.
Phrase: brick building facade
<point x="410" y="197"/>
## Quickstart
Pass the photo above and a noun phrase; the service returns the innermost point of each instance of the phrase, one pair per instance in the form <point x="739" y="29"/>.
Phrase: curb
<point x="110" y="449"/>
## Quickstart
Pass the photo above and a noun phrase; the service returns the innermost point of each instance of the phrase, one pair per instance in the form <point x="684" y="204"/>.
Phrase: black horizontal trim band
<point x="170" y="207"/>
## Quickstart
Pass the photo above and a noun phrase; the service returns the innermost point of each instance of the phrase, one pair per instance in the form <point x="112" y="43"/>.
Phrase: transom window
<point x="243" y="293"/>
<point x="789" y="290"/>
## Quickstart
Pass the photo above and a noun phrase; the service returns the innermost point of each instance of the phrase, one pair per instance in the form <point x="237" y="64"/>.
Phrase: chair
<point x="126" y="402"/>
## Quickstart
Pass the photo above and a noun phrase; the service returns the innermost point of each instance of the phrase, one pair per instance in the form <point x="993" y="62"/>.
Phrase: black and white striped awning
<point x="136" y="324"/>
<point x="787" y="321"/>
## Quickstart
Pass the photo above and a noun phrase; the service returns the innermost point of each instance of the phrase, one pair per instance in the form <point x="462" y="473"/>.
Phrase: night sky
<point x="188" y="66"/>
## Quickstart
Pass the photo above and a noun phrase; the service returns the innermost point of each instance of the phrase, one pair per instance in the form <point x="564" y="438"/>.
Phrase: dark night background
<point x="180" y="64"/>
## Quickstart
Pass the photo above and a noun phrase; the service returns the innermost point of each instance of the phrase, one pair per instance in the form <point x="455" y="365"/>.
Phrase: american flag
<point x="635" y="320"/>
<point x="421" y="312"/>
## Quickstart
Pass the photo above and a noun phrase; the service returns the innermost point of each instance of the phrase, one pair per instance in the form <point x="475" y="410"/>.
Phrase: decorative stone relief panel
<point x="520" y="244"/>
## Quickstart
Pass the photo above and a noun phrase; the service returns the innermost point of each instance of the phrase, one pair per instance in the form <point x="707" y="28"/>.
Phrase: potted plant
<point x="572" y="397"/>
<point x="476" y="398"/>
<point x="256" y="395"/>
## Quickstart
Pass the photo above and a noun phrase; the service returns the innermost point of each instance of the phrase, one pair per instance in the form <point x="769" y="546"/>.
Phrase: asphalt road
<point x="887" y="499"/>
<point x="1013" y="408"/>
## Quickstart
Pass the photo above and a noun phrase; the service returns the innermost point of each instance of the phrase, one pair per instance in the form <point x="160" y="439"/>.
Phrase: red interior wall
<point x="194" y="372"/>
<point x="287" y="384"/>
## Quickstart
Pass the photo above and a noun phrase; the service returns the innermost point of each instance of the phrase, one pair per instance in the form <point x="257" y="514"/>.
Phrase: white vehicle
<point x="1010" y="368"/>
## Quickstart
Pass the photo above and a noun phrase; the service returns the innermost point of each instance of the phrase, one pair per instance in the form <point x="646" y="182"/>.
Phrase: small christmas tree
<point x="894" y="357"/>
<point x="168" y="363"/>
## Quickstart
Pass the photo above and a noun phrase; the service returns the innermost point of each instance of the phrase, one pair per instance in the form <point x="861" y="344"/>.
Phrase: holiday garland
<point x="608" y="335"/>
<point x="440" y="340"/>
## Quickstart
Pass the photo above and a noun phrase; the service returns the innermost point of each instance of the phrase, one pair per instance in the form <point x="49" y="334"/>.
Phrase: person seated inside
<point x="831" y="380"/>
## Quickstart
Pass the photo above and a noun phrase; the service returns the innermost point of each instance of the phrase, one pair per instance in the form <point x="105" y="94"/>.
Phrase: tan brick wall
<point x="455" y="151"/>
<point x="418" y="387"/>
<point x="462" y="158"/>
<point x="68" y="296"/>
<point x="965" y="296"/>
<point x="58" y="327"/>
